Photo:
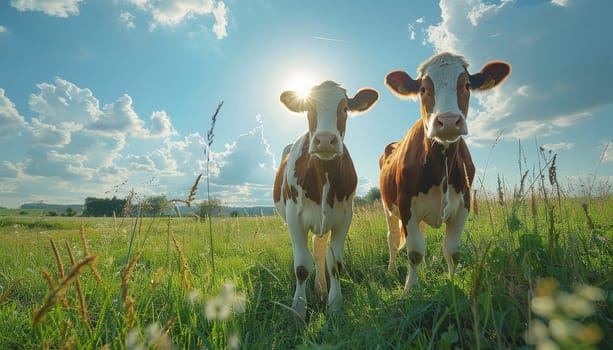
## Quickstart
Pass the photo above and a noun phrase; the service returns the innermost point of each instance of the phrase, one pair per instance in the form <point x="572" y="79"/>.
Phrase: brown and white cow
<point x="426" y="177"/>
<point x="315" y="185"/>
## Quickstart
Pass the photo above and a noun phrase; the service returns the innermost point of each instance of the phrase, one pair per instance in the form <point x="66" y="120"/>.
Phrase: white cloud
<point x="76" y="148"/>
<point x="561" y="3"/>
<point x="221" y="20"/>
<point x="10" y="120"/>
<point x="118" y="118"/>
<point x="161" y="125"/>
<point x="64" y="104"/>
<point x="55" y="8"/>
<point x="175" y="12"/>
<point x="247" y="160"/>
<point x="559" y="146"/>
<point x="128" y="19"/>
<point x="10" y="170"/>
<point x="49" y="134"/>
<point x="547" y="90"/>
<point x="3" y="29"/>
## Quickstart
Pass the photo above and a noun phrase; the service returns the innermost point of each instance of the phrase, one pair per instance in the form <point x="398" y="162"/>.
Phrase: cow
<point x="426" y="177"/>
<point x="315" y="185"/>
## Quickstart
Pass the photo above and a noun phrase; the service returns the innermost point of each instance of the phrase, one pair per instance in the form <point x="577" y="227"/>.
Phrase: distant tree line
<point x="369" y="198"/>
<point x="150" y="206"/>
<point x="104" y="206"/>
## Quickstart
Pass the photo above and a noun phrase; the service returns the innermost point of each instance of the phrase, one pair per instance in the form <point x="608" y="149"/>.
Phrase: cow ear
<point x="401" y="84"/>
<point x="363" y="100"/>
<point x="491" y="75"/>
<point x="293" y="102"/>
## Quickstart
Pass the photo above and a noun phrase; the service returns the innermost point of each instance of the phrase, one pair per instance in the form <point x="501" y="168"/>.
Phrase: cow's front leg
<point x="334" y="262"/>
<point x="395" y="239"/>
<point x="453" y="239"/>
<point x="319" y="253"/>
<point x="303" y="264"/>
<point x="416" y="249"/>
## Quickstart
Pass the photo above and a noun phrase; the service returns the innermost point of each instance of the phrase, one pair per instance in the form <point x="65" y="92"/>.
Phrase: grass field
<point x="533" y="273"/>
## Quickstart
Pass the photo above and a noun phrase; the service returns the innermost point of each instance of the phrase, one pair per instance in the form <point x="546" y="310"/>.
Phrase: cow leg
<point x="453" y="238"/>
<point x="319" y="253"/>
<point x="303" y="264"/>
<point x="334" y="262"/>
<point x="416" y="249"/>
<point x="395" y="239"/>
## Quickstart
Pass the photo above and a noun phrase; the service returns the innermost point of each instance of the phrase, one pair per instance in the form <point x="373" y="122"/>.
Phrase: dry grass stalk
<point x="125" y="278"/>
<point x="192" y="194"/>
<point x="80" y="296"/>
<point x="88" y="253"/>
<point x="130" y="311"/>
<point x="500" y="189"/>
<point x="59" y="291"/>
<point x="67" y="342"/>
<point x="47" y="276"/>
<point x="169" y="324"/>
<point x="127" y="208"/>
<point x="184" y="266"/>
<point x="58" y="258"/>
<point x="157" y="276"/>
<point x="70" y="343"/>
<point x="8" y="292"/>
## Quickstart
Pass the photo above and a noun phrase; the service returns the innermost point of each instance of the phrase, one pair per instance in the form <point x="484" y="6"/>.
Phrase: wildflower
<point x="562" y="313"/>
<point x="220" y="307"/>
<point x="133" y="340"/>
<point x="234" y="341"/>
<point x="194" y="296"/>
<point x="158" y="337"/>
<point x="574" y="305"/>
<point x="589" y="292"/>
<point x="543" y="306"/>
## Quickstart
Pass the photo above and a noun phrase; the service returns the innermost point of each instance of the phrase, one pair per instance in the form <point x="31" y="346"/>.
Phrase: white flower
<point x="234" y="341"/>
<point x="194" y="296"/>
<point x="543" y="306"/>
<point x="218" y="308"/>
<point x="133" y="340"/>
<point x="574" y="305"/>
<point x="590" y="292"/>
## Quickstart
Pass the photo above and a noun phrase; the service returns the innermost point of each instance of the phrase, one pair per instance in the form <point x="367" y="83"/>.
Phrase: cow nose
<point x="449" y="121"/>
<point x="325" y="140"/>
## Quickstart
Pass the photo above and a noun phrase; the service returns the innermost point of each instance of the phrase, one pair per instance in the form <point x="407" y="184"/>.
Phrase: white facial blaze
<point x="327" y="100"/>
<point x="445" y="79"/>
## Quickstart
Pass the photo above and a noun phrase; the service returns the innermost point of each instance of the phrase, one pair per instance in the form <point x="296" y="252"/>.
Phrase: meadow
<point x="535" y="272"/>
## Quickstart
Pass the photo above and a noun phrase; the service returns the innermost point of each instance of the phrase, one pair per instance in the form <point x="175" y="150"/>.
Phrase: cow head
<point x="443" y="86"/>
<point x="327" y="107"/>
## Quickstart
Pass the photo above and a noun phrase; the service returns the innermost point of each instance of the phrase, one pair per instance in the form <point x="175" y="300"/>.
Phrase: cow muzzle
<point x="447" y="127"/>
<point x="326" y="145"/>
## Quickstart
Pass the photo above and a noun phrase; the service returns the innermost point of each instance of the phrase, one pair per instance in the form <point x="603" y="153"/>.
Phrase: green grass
<point x="506" y="252"/>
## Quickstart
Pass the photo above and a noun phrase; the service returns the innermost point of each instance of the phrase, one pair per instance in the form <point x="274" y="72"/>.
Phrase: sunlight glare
<point x="302" y="82"/>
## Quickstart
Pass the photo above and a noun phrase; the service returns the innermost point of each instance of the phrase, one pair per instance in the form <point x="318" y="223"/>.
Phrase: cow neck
<point x="312" y="173"/>
<point x="448" y="155"/>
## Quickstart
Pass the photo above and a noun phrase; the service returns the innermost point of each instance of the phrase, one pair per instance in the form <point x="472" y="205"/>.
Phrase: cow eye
<point x="346" y="109"/>
<point x="422" y="90"/>
<point x="467" y="86"/>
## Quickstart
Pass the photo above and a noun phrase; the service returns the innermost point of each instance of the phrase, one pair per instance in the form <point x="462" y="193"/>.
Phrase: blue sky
<point x="100" y="97"/>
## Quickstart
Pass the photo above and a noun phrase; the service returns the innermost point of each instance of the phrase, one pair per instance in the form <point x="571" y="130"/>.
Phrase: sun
<point x="302" y="82"/>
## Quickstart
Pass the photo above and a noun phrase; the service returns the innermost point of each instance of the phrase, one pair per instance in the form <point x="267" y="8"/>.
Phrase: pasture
<point x="526" y="264"/>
